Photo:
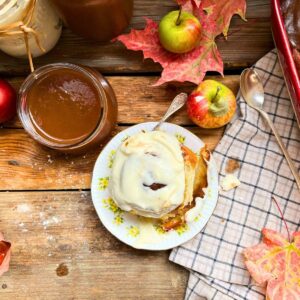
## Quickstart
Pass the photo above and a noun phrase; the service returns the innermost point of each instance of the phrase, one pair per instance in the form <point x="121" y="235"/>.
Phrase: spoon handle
<point x="283" y="148"/>
<point x="176" y="104"/>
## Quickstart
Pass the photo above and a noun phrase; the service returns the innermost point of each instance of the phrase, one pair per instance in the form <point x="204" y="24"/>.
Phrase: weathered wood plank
<point x="26" y="165"/>
<point x="247" y="43"/>
<point x="140" y="102"/>
<point x="48" y="229"/>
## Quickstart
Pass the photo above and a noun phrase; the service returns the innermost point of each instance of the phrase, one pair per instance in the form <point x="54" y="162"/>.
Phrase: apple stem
<point x="178" y="21"/>
<point x="217" y="92"/>
<point x="283" y="219"/>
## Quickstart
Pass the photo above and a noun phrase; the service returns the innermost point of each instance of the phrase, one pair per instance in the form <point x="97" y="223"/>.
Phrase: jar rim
<point x="24" y="114"/>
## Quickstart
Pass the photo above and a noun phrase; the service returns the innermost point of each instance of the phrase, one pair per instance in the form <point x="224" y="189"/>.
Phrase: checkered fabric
<point x="214" y="257"/>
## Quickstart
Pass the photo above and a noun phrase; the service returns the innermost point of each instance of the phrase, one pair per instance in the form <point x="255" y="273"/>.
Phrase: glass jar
<point x="67" y="107"/>
<point x="100" y="20"/>
<point x="45" y="23"/>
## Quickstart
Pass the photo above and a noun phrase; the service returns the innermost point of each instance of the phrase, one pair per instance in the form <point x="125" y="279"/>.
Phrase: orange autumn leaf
<point x="214" y="16"/>
<point x="222" y="12"/>
<point x="275" y="262"/>
<point x="194" y="2"/>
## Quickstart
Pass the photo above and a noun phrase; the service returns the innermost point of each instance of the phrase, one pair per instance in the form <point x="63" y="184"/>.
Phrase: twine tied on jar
<point x="22" y="27"/>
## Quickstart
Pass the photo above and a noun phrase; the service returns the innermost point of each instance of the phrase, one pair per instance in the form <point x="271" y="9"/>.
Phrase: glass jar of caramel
<point x="100" y="20"/>
<point x="67" y="107"/>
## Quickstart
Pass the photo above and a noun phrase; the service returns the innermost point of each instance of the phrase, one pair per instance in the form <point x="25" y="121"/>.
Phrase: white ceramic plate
<point x="136" y="231"/>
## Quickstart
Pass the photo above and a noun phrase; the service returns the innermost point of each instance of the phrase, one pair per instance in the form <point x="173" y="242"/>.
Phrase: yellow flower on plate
<point x="209" y="192"/>
<point x="133" y="231"/>
<point x="180" y="138"/>
<point x="111" y="158"/>
<point x="182" y="229"/>
<point x="197" y="218"/>
<point x="159" y="229"/>
<point x="103" y="183"/>
<point x="111" y="205"/>
<point x="118" y="220"/>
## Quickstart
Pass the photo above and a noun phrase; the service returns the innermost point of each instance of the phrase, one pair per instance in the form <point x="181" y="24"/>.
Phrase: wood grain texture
<point x="140" y="102"/>
<point x="62" y="251"/>
<point x="60" y="248"/>
<point x="26" y="165"/>
<point x="247" y="42"/>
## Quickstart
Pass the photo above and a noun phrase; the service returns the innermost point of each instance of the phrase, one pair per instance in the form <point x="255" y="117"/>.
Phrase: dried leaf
<point x="221" y="12"/>
<point x="276" y="263"/>
<point x="194" y="2"/>
<point x="5" y="252"/>
<point x="205" y="57"/>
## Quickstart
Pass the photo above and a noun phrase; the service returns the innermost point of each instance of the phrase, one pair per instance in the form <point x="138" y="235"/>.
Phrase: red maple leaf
<point x="5" y="251"/>
<point x="195" y="2"/>
<point x="221" y="12"/>
<point x="276" y="263"/>
<point x="191" y="66"/>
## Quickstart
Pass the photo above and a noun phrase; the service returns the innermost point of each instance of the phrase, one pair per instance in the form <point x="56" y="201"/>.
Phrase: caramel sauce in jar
<point x="100" y="20"/>
<point x="67" y="107"/>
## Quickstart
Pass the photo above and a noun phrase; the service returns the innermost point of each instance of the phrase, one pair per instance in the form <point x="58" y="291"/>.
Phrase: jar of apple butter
<point x="67" y="107"/>
<point x="100" y="20"/>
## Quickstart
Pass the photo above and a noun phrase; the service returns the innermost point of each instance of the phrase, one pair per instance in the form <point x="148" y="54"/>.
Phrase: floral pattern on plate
<point x="140" y="232"/>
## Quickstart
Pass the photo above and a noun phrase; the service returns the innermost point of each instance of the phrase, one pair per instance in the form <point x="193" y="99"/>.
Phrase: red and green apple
<point x="179" y="31"/>
<point x="211" y="104"/>
<point x="7" y="101"/>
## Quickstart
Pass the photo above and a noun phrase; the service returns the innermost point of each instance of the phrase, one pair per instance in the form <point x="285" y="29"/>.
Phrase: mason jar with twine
<point x="28" y="28"/>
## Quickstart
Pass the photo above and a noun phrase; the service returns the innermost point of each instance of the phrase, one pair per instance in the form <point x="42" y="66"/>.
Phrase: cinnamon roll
<point x="154" y="176"/>
<point x="148" y="175"/>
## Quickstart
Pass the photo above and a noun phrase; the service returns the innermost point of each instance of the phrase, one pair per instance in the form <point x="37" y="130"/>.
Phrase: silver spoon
<point x="253" y="92"/>
<point x="176" y="104"/>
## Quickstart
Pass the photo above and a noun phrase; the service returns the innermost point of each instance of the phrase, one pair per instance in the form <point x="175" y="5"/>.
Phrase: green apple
<point x="179" y="32"/>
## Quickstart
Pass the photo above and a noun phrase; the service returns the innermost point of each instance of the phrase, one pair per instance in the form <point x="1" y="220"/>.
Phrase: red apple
<point x="8" y="102"/>
<point x="5" y="252"/>
<point x="179" y="32"/>
<point x="4" y="247"/>
<point x="211" y="104"/>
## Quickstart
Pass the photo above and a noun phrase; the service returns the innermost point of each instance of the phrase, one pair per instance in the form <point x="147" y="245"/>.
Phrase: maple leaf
<point x="276" y="262"/>
<point x="5" y="251"/>
<point x="190" y="66"/>
<point x="214" y="16"/>
<point x="222" y="11"/>
<point x="194" y="2"/>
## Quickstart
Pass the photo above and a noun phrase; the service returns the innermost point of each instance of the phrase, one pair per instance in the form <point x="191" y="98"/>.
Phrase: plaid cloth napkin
<point x="214" y="257"/>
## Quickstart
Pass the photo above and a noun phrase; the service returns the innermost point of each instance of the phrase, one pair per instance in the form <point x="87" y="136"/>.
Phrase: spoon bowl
<point x="252" y="88"/>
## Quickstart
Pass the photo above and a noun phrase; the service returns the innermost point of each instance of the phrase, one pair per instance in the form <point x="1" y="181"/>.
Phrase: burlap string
<point x="22" y="27"/>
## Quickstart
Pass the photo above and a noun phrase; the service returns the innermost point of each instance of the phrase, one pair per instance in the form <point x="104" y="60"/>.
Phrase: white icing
<point x="142" y="160"/>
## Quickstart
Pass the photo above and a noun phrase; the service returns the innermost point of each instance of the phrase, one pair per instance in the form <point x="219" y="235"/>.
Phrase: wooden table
<point x="60" y="248"/>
